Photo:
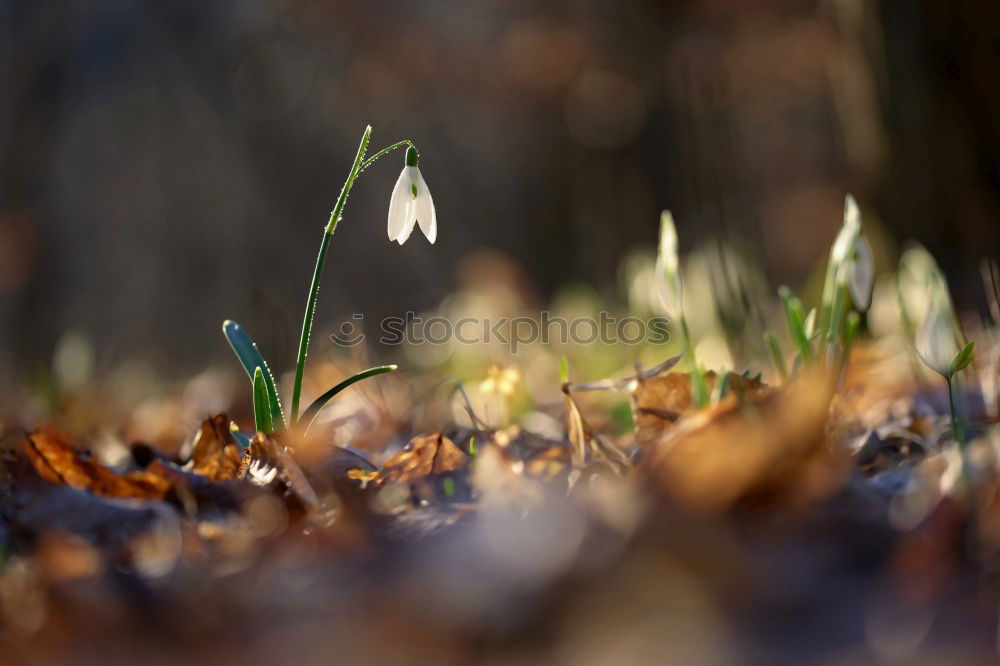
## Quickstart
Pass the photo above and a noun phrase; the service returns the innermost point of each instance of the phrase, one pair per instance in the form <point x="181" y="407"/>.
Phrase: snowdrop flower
<point x="851" y="257"/>
<point x="937" y="343"/>
<point x="849" y="232"/>
<point x="411" y="203"/>
<point x="670" y="282"/>
<point x="862" y="274"/>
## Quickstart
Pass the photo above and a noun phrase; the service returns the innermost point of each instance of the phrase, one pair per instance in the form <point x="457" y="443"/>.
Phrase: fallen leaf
<point x="425" y="455"/>
<point x="773" y="443"/>
<point x="588" y="445"/>
<point x="215" y="453"/>
<point x="268" y="464"/>
<point x="57" y="461"/>
<point x="659" y="402"/>
<point x="550" y="463"/>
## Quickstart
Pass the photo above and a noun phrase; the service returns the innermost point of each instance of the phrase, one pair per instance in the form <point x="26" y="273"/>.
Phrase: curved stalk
<point x="388" y="149"/>
<point x="360" y="164"/>
<point x="307" y="320"/>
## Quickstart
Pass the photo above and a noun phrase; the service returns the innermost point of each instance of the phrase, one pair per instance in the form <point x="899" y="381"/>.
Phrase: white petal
<point x="668" y="242"/>
<point x="862" y="275"/>
<point x="936" y="341"/>
<point x="426" y="215"/>
<point x="401" y="196"/>
<point x="409" y="220"/>
<point x="670" y="288"/>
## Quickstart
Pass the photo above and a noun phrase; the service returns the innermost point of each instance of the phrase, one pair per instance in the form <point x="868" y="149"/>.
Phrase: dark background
<point x="165" y="165"/>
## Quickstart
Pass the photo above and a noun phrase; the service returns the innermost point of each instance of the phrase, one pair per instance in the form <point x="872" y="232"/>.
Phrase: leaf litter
<point x="476" y="538"/>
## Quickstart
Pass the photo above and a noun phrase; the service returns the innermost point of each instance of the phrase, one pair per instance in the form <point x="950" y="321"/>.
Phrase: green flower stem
<point x="958" y="432"/>
<point x="957" y="428"/>
<point x="826" y="306"/>
<point x="388" y="149"/>
<point x="699" y="391"/>
<point x="836" y="316"/>
<point x="776" y="354"/>
<point x="307" y="320"/>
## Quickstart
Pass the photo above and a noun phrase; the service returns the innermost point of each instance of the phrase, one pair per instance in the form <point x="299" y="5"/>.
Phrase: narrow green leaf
<point x="261" y="404"/>
<point x="836" y="314"/>
<point x="776" y="354"/>
<point x="721" y="388"/>
<point x="810" y="323"/>
<point x="563" y="370"/>
<point x="851" y="326"/>
<point x="962" y="359"/>
<point x="796" y="324"/>
<point x="312" y="410"/>
<point x="699" y="388"/>
<point x="250" y="358"/>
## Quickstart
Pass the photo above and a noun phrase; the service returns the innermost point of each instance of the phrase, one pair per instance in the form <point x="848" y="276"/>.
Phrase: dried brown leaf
<point x="215" y="453"/>
<point x="589" y="446"/>
<point x="57" y="461"/>
<point x="773" y="444"/>
<point x="659" y="402"/>
<point x="268" y="464"/>
<point x="550" y="463"/>
<point x="425" y="455"/>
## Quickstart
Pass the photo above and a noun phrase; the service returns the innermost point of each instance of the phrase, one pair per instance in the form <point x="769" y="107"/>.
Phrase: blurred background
<point x="164" y="166"/>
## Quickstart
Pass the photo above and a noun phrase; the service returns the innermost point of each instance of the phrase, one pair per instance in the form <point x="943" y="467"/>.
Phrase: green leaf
<point x="776" y="354"/>
<point x="261" y="404"/>
<point x="809" y="326"/>
<point x="851" y="326"/>
<point x="721" y="388"/>
<point x="699" y="388"/>
<point x="796" y="323"/>
<point x="312" y="410"/>
<point x="250" y="358"/>
<point x="962" y="359"/>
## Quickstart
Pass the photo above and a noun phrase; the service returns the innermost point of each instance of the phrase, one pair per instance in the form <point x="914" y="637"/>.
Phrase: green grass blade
<point x="776" y="354"/>
<point x="699" y="388"/>
<point x="261" y="404"/>
<point x="721" y="388"/>
<point x="312" y="410"/>
<point x="250" y="358"/>
<point x="796" y="324"/>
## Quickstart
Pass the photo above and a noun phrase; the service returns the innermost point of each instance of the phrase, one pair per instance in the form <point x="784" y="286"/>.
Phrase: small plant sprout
<point x="670" y="287"/>
<point x="796" y="324"/>
<point x="939" y="348"/>
<point x="410" y="203"/>
<point x="839" y="272"/>
<point x="777" y="356"/>
<point x="849" y="274"/>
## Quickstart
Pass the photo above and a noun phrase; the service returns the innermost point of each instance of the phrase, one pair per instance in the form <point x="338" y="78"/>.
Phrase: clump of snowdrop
<point x="826" y="335"/>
